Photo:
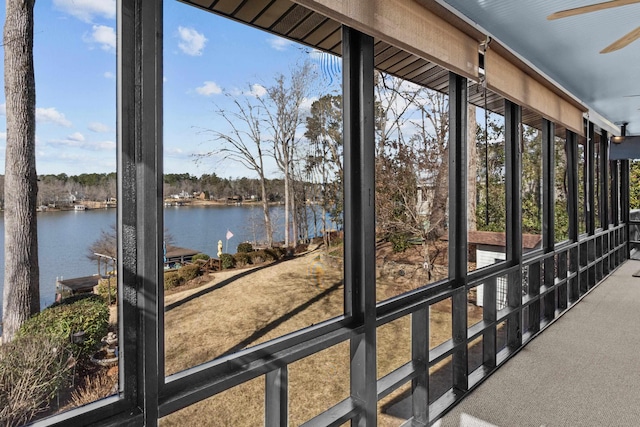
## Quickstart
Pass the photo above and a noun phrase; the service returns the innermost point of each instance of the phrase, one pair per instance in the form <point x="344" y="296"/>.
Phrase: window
<point x="252" y="187"/>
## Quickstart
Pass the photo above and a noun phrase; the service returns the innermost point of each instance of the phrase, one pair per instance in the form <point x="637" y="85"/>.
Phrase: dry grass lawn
<point x="241" y="308"/>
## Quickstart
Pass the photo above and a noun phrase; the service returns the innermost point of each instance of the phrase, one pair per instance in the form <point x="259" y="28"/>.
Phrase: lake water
<point x="64" y="237"/>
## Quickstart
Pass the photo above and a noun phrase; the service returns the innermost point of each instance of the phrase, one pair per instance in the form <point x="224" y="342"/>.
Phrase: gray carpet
<point x="584" y="370"/>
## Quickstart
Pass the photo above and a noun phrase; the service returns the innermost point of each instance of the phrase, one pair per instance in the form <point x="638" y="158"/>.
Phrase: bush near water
<point x="86" y="313"/>
<point x="245" y="247"/>
<point x="37" y="363"/>
<point x="108" y="290"/>
<point x="200" y="256"/>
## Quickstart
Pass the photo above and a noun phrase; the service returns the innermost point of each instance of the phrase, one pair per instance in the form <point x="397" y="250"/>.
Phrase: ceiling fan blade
<point x="591" y="8"/>
<point x="623" y="41"/>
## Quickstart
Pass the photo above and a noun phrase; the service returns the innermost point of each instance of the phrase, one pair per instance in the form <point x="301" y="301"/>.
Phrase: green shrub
<point x="189" y="272"/>
<point x="399" y="242"/>
<point x="73" y="299"/>
<point x="242" y="259"/>
<point x="245" y="247"/>
<point x="227" y="261"/>
<point x="203" y="257"/>
<point x="104" y="287"/>
<point x="32" y="370"/>
<point x="89" y="314"/>
<point x="172" y="279"/>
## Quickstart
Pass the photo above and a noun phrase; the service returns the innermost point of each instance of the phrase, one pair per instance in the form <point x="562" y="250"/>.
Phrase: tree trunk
<point x="21" y="296"/>
<point x="294" y="210"/>
<point x="265" y="210"/>
<point x="287" y="239"/>
<point x="438" y="217"/>
<point x="472" y="171"/>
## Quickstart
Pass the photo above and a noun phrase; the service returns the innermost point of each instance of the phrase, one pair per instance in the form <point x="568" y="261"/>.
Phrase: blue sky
<point x="75" y="60"/>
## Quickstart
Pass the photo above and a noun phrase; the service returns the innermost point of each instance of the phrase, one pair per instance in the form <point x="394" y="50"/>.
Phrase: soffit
<point x="567" y="50"/>
<point x="296" y="22"/>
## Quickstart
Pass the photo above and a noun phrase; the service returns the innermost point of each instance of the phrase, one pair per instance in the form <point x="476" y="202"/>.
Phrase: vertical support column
<point x="624" y="203"/>
<point x="140" y="220"/>
<point x="589" y="177"/>
<point x="615" y="192"/>
<point x="624" y="198"/>
<point x="572" y="181"/>
<point x="513" y="134"/>
<point x="548" y="186"/>
<point x="359" y="187"/>
<point x="513" y="118"/>
<point x="420" y="357"/>
<point x="548" y="219"/>
<point x="604" y="180"/>
<point x="572" y="208"/>
<point x="458" y="224"/>
<point x="458" y="179"/>
<point x="129" y="322"/>
<point x="276" y="398"/>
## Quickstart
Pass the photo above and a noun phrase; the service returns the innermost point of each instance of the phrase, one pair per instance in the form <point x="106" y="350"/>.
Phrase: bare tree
<point x="22" y="275"/>
<point x="243" y="144"/>
<point x="411" y="163"/>
<point x="283" y="105"/>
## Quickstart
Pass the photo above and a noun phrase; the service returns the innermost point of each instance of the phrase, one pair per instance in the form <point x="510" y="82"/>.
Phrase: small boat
<point x="79" y="208"/>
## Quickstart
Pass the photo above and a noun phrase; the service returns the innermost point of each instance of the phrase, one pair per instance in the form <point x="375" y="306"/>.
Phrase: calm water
<point x="64" y="237"/>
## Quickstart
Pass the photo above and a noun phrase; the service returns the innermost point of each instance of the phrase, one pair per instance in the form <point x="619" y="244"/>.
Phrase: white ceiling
<point x="567" y="50"/>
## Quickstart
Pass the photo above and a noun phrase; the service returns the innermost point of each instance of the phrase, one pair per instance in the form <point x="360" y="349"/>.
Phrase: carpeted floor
<point x="584" y="370"/>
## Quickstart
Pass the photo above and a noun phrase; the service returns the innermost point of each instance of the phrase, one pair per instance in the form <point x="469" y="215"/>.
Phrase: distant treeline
<point x="221" y="188"/>
<point x="63" y="189"/>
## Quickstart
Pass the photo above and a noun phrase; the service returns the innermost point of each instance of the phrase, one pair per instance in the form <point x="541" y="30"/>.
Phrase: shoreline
<point x="95" y="205"/>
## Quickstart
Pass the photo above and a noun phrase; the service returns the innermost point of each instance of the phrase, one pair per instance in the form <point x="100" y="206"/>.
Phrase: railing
<point x="538" y="291"/>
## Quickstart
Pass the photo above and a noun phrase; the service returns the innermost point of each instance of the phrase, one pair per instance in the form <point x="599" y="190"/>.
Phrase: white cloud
<point x="3" y="109"/>
<point x="306" y="103"/>
<point x="51" y="115"/>
<point x="278" y="43"/>
<point x="109" y="75"/>
<point x="102" y="146"/>
<point x="72" y="142"/>
<point x="103" y="35"/>
<point x="316" y="54"/>
<point x="174" y="152"/>
<point x="98" y="127"/>
<point x="258" y="90"/>
<point x="192" y="42"/>
<point x="76" y="136"/>
<point x="3" y="135"/>
<point x="87" y="10"/>
<point x="208" y="89"/>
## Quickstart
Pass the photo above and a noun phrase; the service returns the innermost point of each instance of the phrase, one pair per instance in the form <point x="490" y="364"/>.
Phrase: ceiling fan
<point x="618" y="44"/>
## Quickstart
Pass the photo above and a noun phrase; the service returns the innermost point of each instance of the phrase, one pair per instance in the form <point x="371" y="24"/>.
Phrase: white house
<point x="490" y="249"/>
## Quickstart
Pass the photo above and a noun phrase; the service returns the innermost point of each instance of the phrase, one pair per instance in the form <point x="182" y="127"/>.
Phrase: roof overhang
<point x="561" y="56"/>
